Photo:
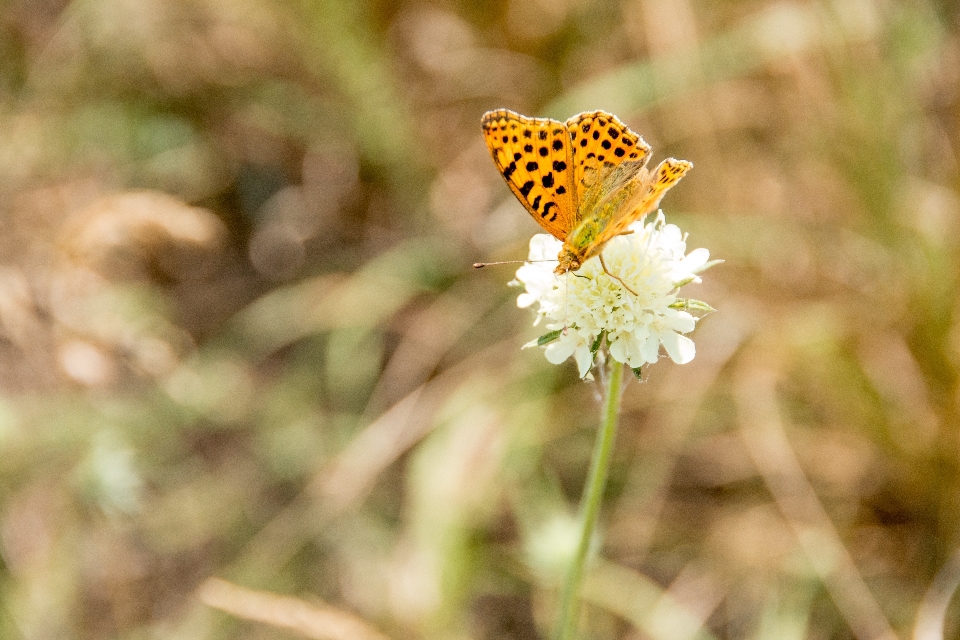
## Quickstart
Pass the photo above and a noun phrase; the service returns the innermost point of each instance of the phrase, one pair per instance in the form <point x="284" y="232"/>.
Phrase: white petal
<point x="561" y="349"/>
<point x="636" y="361"/>
<point x="680" y="348"/>
<point x="682" y="322"/>
<point x="524" y="300"/>
<point x="635" y="352"/>
<point x="695" y="259"/>
<point x="651" y="348"/>
<point x="539" y="273"/>
<point x="671" y="234"/>
<point x="619" y="350"/>
<point x="584" y="359"/>
<point x="544" y="247"/>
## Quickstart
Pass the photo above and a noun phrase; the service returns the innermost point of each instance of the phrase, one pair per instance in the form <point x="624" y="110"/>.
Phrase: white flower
<point x="583" y="304"/>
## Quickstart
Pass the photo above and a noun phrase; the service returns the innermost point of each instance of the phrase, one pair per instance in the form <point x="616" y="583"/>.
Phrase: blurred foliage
<point x="240" y="337"/>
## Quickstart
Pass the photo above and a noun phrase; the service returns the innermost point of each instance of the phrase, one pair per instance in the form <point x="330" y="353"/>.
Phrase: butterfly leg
<point x="617" y="278"/>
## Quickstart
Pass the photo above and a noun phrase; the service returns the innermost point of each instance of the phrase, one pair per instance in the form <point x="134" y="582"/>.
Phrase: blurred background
<point x="251" y="388"/>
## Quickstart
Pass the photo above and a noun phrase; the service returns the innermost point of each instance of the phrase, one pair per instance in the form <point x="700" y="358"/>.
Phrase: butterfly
<point x="584" y="181"/>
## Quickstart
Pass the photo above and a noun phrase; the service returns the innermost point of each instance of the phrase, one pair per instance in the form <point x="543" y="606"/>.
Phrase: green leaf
<point x="549" y="337"/>
<point x="596" y="347"/>
<point x="596" y="343"/>
<point x="689" y="304"/>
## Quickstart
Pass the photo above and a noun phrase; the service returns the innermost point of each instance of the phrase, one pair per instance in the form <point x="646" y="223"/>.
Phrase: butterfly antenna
<point x="481" y="265"/>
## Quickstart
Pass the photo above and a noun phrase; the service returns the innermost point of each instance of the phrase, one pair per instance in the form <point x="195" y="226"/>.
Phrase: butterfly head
<point x="569" y="260"/>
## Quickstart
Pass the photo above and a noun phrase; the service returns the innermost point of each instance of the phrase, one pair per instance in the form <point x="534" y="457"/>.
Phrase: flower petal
<point x="671" y="234"/>
<point x="524" y="300"/>
<point x="695" y="259"/>
<point x="682" y="322"/>
<point x="584" y="359"/>
<point x="619" y="350"/>
<point x="561" y="349"/>
<point x="544" y="247"/>
<point x="680" y="348"/>
<point x="651" y="348"/>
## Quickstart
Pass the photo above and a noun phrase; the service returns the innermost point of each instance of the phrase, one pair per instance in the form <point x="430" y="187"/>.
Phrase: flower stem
<point x="590" y="504"/>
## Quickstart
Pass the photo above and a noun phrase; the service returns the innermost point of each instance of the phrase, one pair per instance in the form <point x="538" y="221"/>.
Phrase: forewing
<point x="533" y="156"/>
<point x="601" y="143"/>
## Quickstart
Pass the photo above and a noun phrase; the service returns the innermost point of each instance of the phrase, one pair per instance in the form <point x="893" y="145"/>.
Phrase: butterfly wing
<point x="533" y="156"/>
<point x="652" y="187"/>
<point x="607" y="158"/>
<point x="601" y="144"/>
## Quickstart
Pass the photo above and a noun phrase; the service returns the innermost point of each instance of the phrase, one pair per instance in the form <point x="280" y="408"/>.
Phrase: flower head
<point x="581" y="308"/>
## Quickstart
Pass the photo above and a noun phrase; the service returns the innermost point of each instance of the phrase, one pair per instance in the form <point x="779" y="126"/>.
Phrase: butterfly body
<point x="584" y="181"/>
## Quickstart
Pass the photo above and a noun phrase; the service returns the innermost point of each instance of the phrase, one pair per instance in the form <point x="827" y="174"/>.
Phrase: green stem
<point x="590" y="504"/>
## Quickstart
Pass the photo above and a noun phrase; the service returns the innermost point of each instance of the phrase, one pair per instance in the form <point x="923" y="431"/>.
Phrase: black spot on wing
<point x="526" y="188"/>
<point x="547" y="181"/>
<point x="533" y="166"/>
<point x="546" y="211"/>
<point x="559" y="166"/>
<point x="557" y="144"/>
<point x="509" y="170"/>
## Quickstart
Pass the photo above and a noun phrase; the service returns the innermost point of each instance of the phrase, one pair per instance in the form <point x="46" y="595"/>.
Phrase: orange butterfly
<point x="585" y="181"/>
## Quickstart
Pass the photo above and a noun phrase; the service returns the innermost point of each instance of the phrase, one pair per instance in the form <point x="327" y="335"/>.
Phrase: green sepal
<point x="689" y="304"/>
<point x="549" y="337"/>
<point x="637" y="372"/>
<point x="707" y="265"/>
<point x="596" y="343"/>
<point x="595" y="347"/>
